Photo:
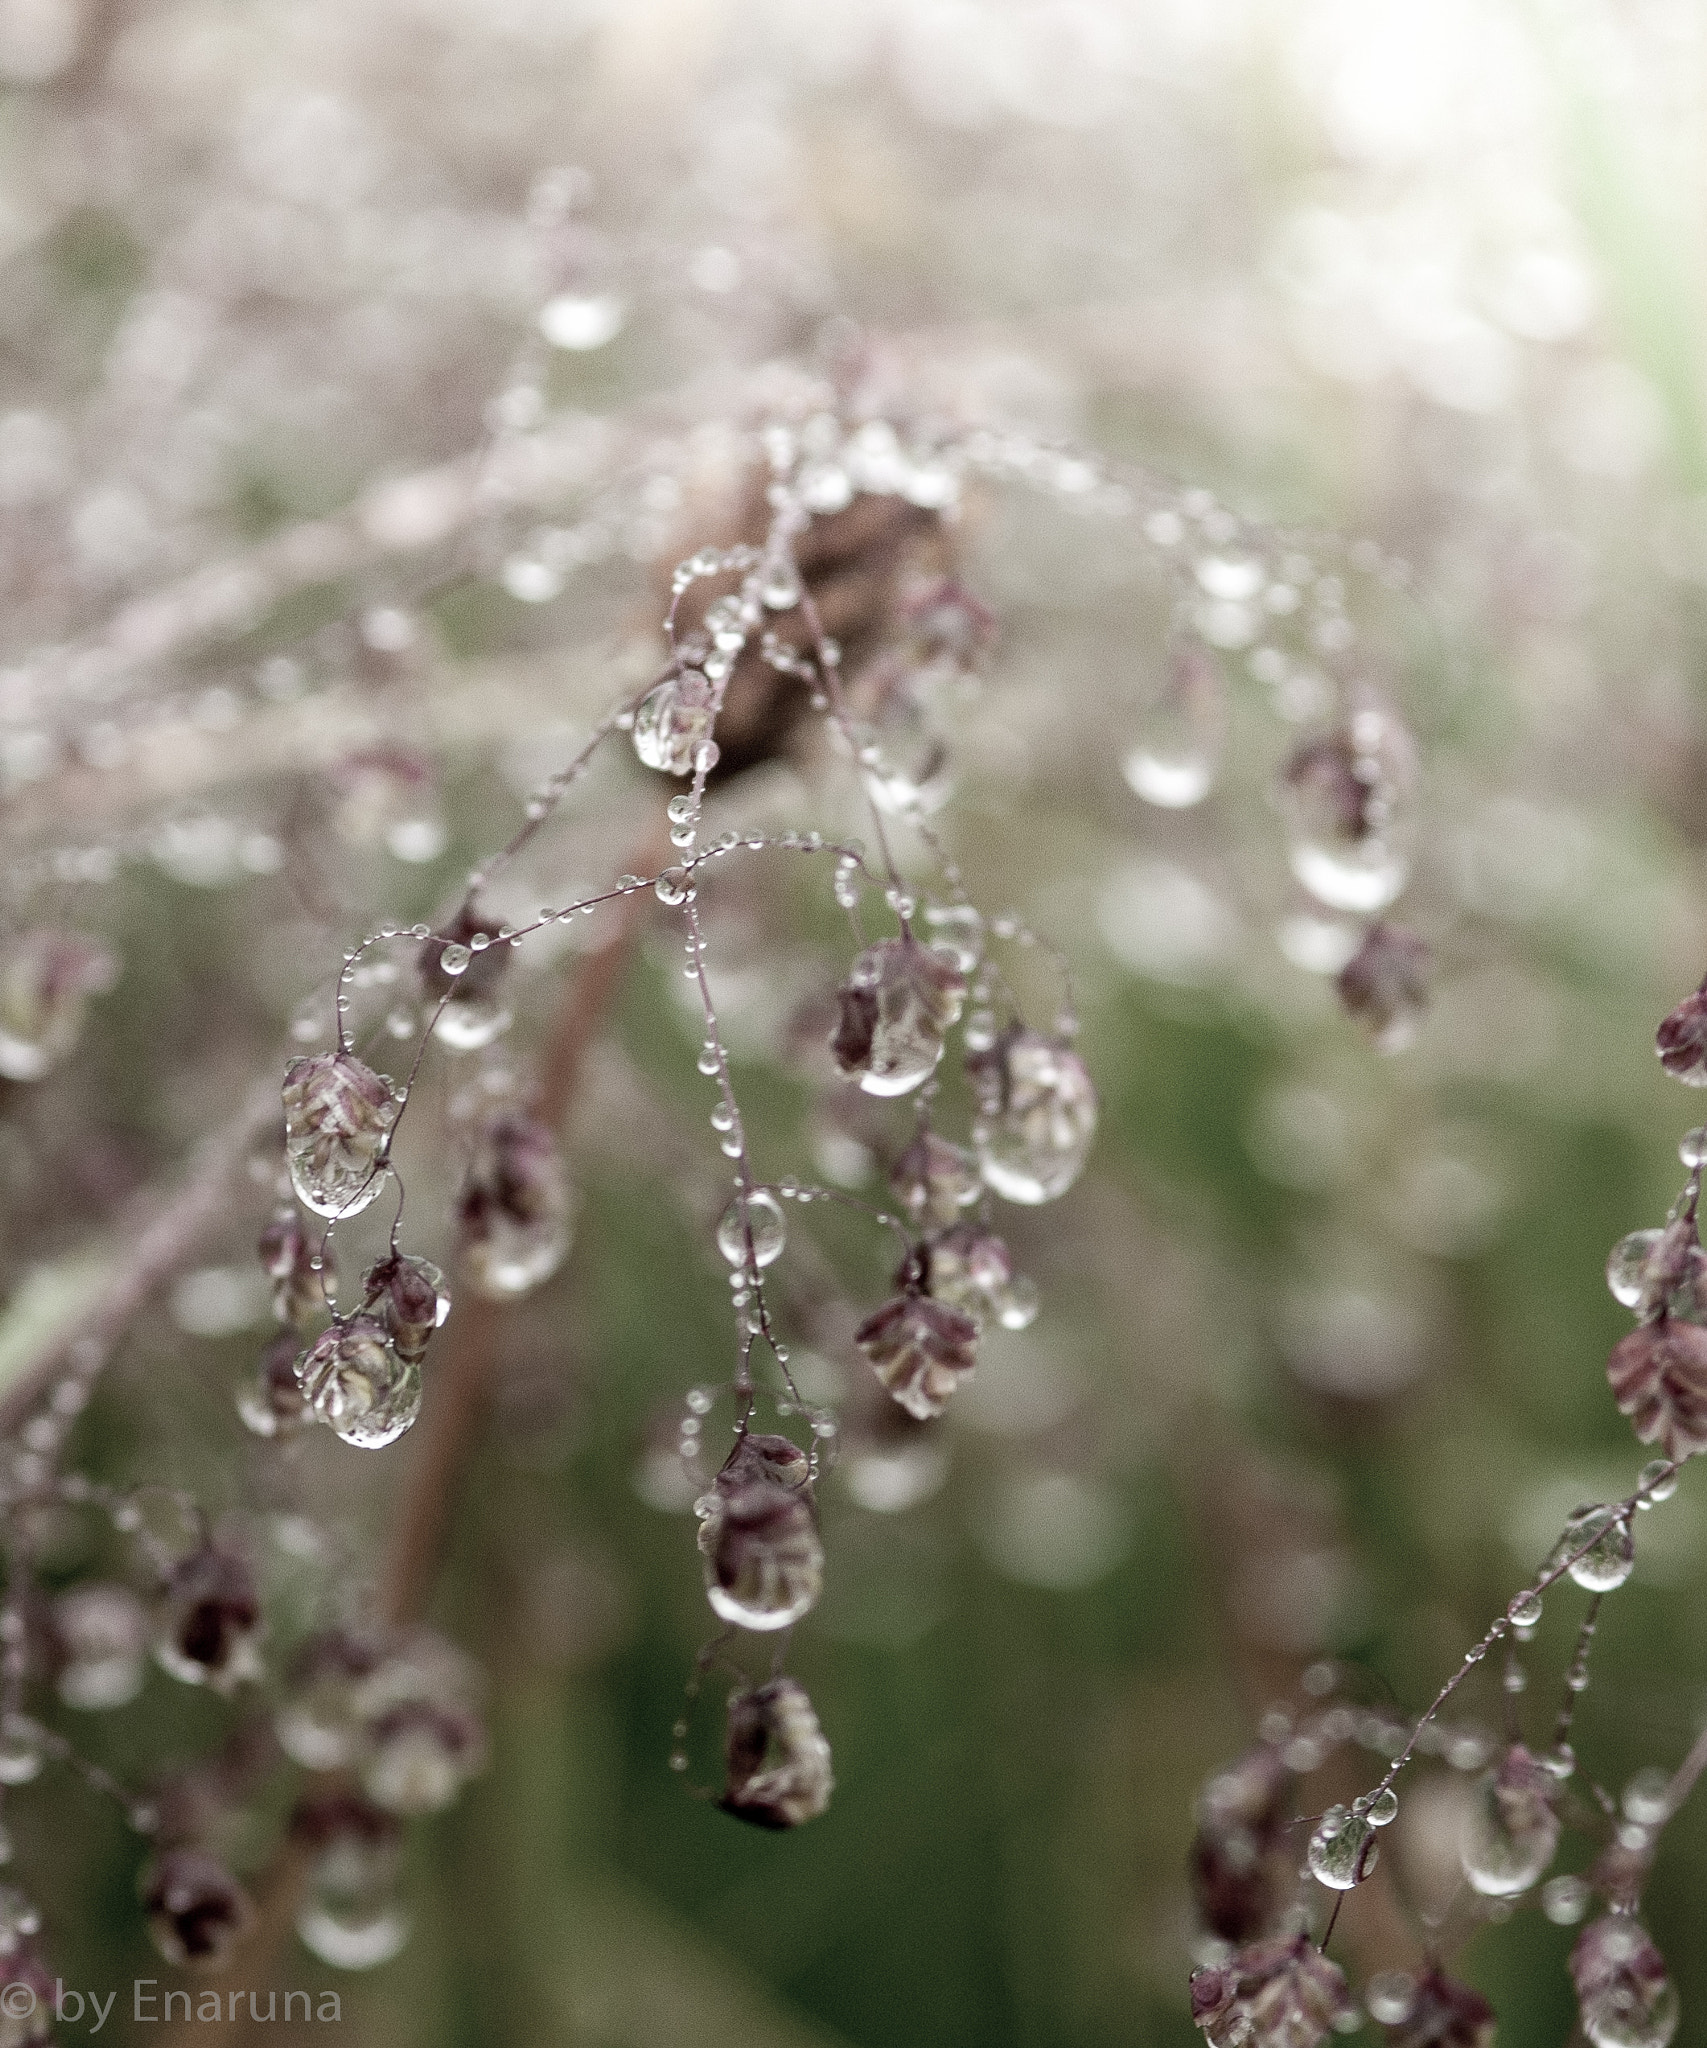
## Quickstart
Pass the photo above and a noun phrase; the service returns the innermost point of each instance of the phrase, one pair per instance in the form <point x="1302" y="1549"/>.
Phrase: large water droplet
<point x="1611" y="1555"/>
<point x="757" y="1218"/>
<point x="1626" y="1265"/>
<point x="1343" y="1849"/>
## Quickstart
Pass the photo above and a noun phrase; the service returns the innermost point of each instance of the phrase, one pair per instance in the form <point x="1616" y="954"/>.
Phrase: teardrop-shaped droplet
<point x="1178" y="749"/>
<point x="753" y="1228"/>
<point x="1342" y="1850"/>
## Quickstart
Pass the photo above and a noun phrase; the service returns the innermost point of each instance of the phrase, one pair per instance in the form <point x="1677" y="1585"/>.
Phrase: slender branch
<point x="181" y="1223"/>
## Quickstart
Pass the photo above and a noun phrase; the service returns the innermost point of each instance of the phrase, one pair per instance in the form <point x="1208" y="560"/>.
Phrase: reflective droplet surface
<point x="1524" y="1610"/>
<point x="1342" y="1850"/>
<point x="753" y="1230"/>
<point x="1178" y="749"/>
<point x="358" y="1386"/>
<point x="1511" y="1832"/>
<point x="1657" y="1479"/>
<point x="1626" y="1265"/>
<point x="1037" y="1115"/>
<point x="1611" y="1553"/>
<point x="673" y="722"/>
<point x="898" y="1002"/>
<point x="338" y="1118"/>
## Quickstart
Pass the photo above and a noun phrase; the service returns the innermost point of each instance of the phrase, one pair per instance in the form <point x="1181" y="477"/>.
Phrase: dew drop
<point x="1626" y="1265"/>
<point x="1343" y="1849"/>
<point x="757" y="1216"/>
<point x="1525" y="1610"/>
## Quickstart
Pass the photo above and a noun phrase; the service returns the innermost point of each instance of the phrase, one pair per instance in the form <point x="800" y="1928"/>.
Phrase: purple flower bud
<point x="1658" y="1376"/>
<point x="899" y="1000"/>
<point x="1624" y="1997"/>
<point x="1277" y="1994"/>
<point x="513" y="1208"/>
<point x="411" y="1299"/>
<point x="338" y="1118"/>
<point x="211" y="1620"/>
<point x="1681" y="1041"/>
<point x="778" y="1763"/>
<point x="197" y="1911"/>
<point x="273" y="1404"/>
<point x="919" y="1349"/>
<point x="1385" y="984"/>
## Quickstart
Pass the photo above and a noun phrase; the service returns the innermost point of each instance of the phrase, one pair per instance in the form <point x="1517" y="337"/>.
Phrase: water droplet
<point x="579" y="321"/>
<point x="674" y="886"/>
<point x="1657" y="1480"/>
<point x="1627" y="1263"/>
<point x="1342" y="1850"/>
<point x="1383" y="1808"/>
<point x="1692" y="1147"/>
<point x="338" y="1118"/>
<point x="1647" y="1798"/>
<point x="1511" y="1832"/>
<point x="673" y="724"/>
<point x="1525" y="1610"/>
<point x="757" y="1217"/>
<point x="1565" y="1900"/>
<point x="1178" y="751"/>
<point x="1390" y="1995"/>
<point x="1037" y="1115"/>
<point x="1611" y="1555"/>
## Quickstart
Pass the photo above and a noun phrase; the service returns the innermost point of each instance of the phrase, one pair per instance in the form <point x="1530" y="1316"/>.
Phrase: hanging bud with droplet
<point x="1178" y="750"/>
<point x="100" y="1639"/>
<point x="1037" y="1115"/>
<point x="210" y="1620"/>
<point x="778" y="1762"/>
<point x="934" y="1180"/>
<point x="1442" y="2013"/>
<point x="46" y="980"/>
<point x="758" y="1534"/>
<point x="920" y="1349"/>
<point x="462" y="967"/>
<point x="673" y="722"/>
<point x="1346" y="798"/>
<point x="1625" y="1998"/>
<point x="1385" y="984"/>
<point x="350" y="1916"/>
<point x="420" y="1753"/>
<point x="1276" y="1994"/>
<point x="899" y="1001"/>
<point x="388" y="796"/>
<point x="302" y="1274"/>
<point x="1511" y="1832"/>
<point x="1242" y="1874"/>
<point x="272" y="1404"/>
<point x="318" y="1721"/>
<point x="357" y="1384"/>
<point x="972" y="1269"/>
<point x="197" y="1911"/>
<point x="1681" y="1040"/>
<point x="513" y="1207"/>
<point x="338" y="1119"/>
<point x="409" y="1297"/>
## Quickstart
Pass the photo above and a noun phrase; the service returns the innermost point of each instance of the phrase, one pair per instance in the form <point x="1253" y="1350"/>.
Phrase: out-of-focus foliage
<point x="1319" y="1373"/>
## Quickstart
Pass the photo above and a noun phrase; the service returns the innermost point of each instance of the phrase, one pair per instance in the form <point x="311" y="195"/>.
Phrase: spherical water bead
<point x="419" y="1754"/>
<point x="455" y="959"/>
<point x="357" y="1385"/>
<point x="1390" y="1996"/>
<point x="1625" y="1999"/>
<point x="1647" y="1798"/>
<point x="674" y="886"/>
<point x="710" y="1060"/>
<point x="780" y="588"/>
<point x="1565" y="1899"/>
<point x="1627" y="1265"/>
<point x="1178" y="751"/>
<point x="1611" y="1555"/>
<point x="1511" y="1832"/>
<point x="338" y="1119"/>
<point x="899" y="1001"/>
<point x="753" y="1226"/>
<point x="1692" y="1147"/>
<point x="778" y="1766"/>
<point x="46" y="979"/>
<point x="1681" y="1041"/>
<point x="1657" y="1481"/>
<point x="1342" y="1850"/>
<point x="1525" y="1610"/>
<point x="673" y="723"/>
<point x="352" y="1934"/>
<point x="847" y="884"/>
<point x="1382" y="1808"/>
<point x="1037" y="1115"/>
<point x="935" y="1180"/>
